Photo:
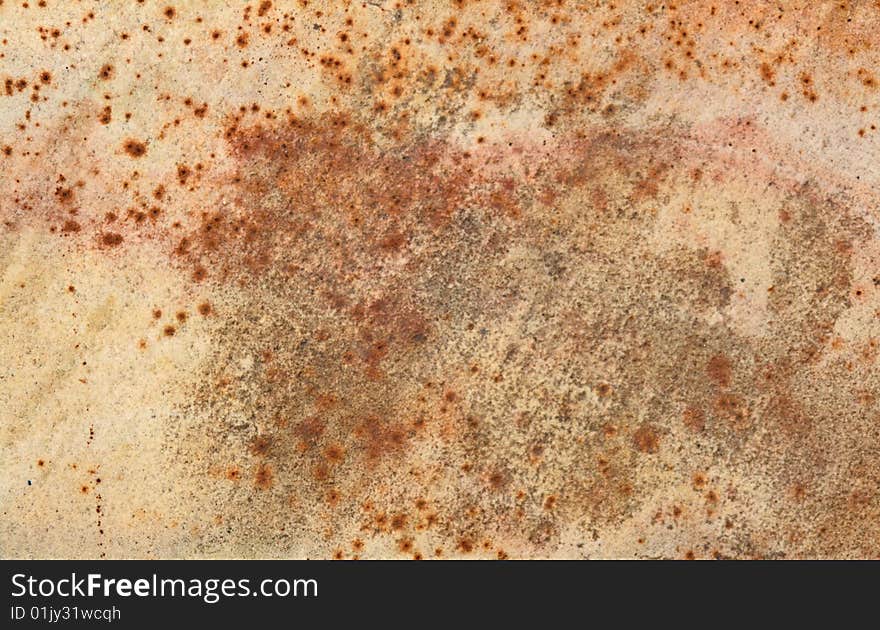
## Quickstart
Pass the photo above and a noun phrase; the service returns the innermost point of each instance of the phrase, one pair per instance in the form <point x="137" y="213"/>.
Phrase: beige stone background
<point x="439" y="279"/>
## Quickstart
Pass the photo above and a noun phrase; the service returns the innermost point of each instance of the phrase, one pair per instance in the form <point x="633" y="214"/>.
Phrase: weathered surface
<point x="439" y="279"/>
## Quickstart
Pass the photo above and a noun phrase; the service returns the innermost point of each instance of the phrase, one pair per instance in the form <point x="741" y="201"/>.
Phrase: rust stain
<point x="427" y="279"/>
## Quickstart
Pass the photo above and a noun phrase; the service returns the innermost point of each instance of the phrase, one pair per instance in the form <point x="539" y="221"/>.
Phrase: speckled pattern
<point x="468" y="279"/>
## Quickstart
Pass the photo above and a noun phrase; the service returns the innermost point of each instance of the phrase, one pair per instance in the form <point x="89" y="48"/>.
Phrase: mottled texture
<point x="439" y="279"/>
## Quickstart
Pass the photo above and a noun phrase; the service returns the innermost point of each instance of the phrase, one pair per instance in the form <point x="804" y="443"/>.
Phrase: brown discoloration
<point x="70" y="226"/>
<point x="111" y="239"/>
<point x="719" y="370"/>
<point x="134" y="148"/>
<point x="263" y="477"/>
<point x="646" y="439"/>
<point x="426" y="297"/>
<point x="694" y="419"/>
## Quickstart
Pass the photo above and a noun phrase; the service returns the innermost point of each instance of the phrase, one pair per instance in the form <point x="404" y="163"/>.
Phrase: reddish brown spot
<point x="333" y="496"/>
<point x="309" y="430"/>
<point x="264" y="8"/>
<point x="111" y="239"/>
<point x="263" y="477"/>
<point x="719" y="370"/>
<point x="183" y="173"/>
<point x="261" y="445"/>
<point x="646" y="439"/>
<point x="734" y="409"/>
<point x="381" y="437"/>
<point x="497" y="480"/>
<point x="334" y="453"/>
<point x="398" y="521"/>
<point x="135" y="148"/>
<point x="64" y="194"/>
<point x="204" y="309"/>
<point x="393" y="242"/>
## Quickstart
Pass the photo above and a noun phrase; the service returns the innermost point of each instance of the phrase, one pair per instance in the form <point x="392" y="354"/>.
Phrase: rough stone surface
<point x="439" y="279"/>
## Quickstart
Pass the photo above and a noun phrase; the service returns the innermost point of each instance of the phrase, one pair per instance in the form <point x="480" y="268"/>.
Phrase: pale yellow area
<point x="79" y="394"/>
